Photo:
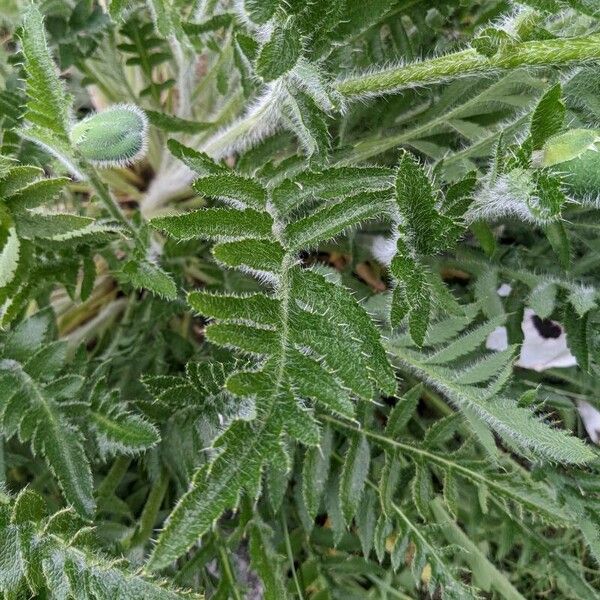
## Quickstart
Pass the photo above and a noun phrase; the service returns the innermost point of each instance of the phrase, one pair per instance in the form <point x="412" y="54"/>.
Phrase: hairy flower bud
<point x="574" y="154"/>
<point x="114" y="137"/>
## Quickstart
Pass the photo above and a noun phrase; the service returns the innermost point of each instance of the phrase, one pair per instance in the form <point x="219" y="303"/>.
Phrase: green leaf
<point x="261" y="10"/>
<point x="334" y="219"/>
<point x="265" y="560"/>
<point x="119" y="430"/>
<point x="36" y="193"/>
<point x="41" y="421"/>
<point x="198" y="162"/>
<point x="47" y="361"/>
<point x="403" y="411"/>
<point x="582" y="298"/>
<point x="335" y="182"/>
<point x="491" y="40"/>
<point x="487" y="576"/>
<point x="255" y="308"/>
<point x="485" y="236"/>
<point x="116" y="8"/>
<point x="173" y="124"/>
<point x="543" y="298"/>
<point x="220" y="224"/>
<point x="559" y="240"/>
<point x="485" y="369"/>
<point x="354" y="475"/>
<point x="12" y="562"/>
<point x="9" y="258"/>
<point x="332" y="505"/>
<point x="281" y="52"/>
<point x="17" y="177"/>
<point x="578" y="336"/>
<point x="486" y="294"/>
<point x="312" y="380"/>
<point x="366" y="520"/>
<point x="465" y="343"/>
<point x="48" y="105"/>
<point x="146" y="275"/>
<point x="233" y="188"/>
<point x="50" y="556"/>
<point x="548" y="117"/>
<point x="244" y="337"/>
<point x="29" y="336"/>
<point x="315" y="472"/>
<point x="422" y="489"/>
<point x="313" y="289"/>
<point x="257" y="256"/>
<point x="568" y="146"/>
<point x="210" y="494"/>
<point x="51" y="227"/>
<point x="504" y="416"/>
<point x="308" y="122"/>
<point x="411" y="295"/>
<point x="425" y="228"/>
<point x="213" y="24"/>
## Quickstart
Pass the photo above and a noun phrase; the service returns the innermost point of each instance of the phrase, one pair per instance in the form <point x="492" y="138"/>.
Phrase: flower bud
<point x="575" y="155"/>
<point x="114" y="137"/>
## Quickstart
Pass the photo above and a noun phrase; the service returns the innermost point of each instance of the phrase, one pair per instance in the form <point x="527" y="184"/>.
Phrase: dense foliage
<point x="299" y="299"/>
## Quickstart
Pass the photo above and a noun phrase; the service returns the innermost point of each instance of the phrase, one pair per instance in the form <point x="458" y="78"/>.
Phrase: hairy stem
<point x="150" y="512"/>
<point x="447" y="462"/>
<point x="226" y="569"/>
<point x="535" y="53"/>
<point x="2" y="463"/>
<point x="257" y="122"/>
<point x="107" y="199"/>
<point x="288" y="548"/>
<point x="113" y="477"/>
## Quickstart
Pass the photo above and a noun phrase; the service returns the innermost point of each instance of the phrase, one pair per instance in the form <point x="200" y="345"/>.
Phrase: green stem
<point x="107" y="199"/>
<point x="288" y="548"/>
<point x="227" y="572"/>
<point x="433" y="552"/>
<point x="113" y="477"/>
<point x="534" y="53"/>
<point x="393" y="592"/>
<point x="188" y="573"/>
<point x="2" y="463"/>
<point x="434" y="400"/>
<point x="370" y="147"/>
<point x="445" y="462"/>
<point x="474" y="556"/>
<point x="150" y="512"/>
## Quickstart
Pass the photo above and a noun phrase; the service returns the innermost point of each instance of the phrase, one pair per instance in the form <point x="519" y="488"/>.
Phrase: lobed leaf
<point x="220" y="224"/>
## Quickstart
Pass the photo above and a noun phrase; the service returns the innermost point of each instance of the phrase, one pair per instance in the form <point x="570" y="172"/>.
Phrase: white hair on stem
<point x="261" y="119"/>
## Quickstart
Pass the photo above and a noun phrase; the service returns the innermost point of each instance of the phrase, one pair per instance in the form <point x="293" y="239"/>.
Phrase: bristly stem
<point x="288" y="547"/>
<point x="150" y="511"/>
<point x="107" y="199"/>
<point x="113" y="477"/>
<point x="535" y="53"/>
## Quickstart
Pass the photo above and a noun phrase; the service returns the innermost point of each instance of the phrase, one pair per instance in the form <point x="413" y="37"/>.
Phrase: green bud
<point x="114" y="137"/>
<point x="567" y="146"/>
<point x="575" y="156"/>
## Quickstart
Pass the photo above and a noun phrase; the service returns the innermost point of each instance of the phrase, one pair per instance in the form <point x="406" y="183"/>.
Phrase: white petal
<point x="504" y="290"/>
<point x="497" y="340"/>
<point x="591" y="419"/>
<point x="540" y="353"/>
